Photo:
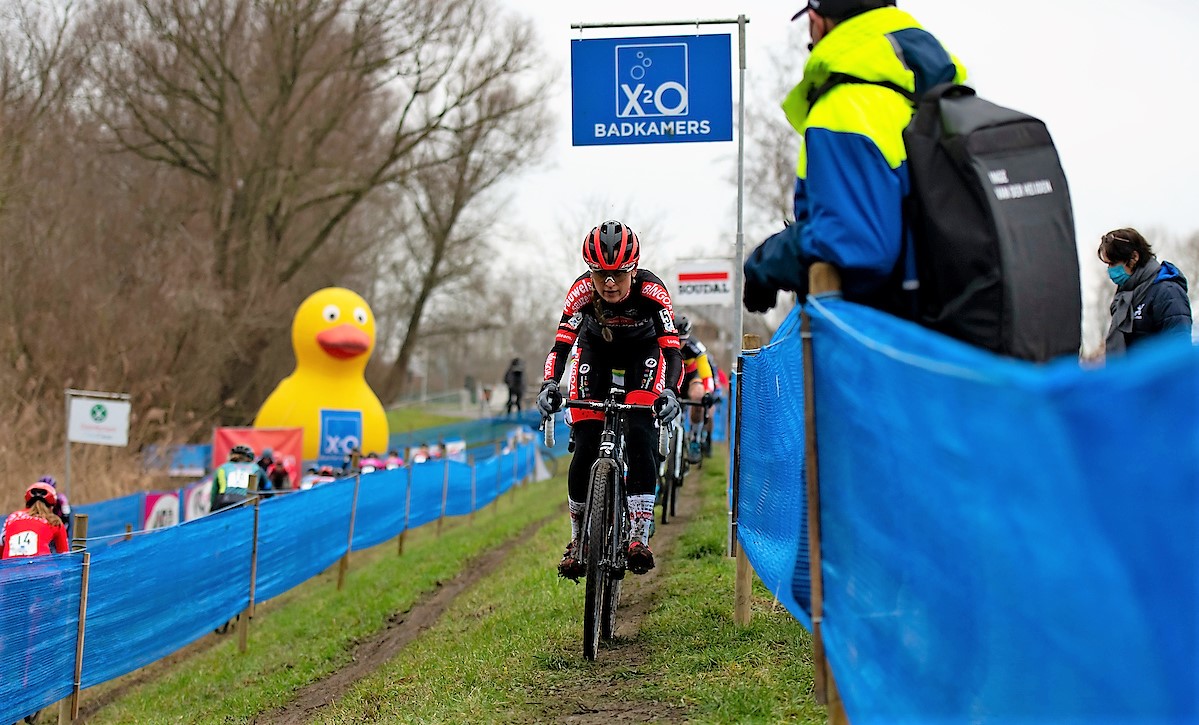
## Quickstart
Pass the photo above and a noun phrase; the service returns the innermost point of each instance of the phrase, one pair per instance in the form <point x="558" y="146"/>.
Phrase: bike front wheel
<point x="599" y="518"/>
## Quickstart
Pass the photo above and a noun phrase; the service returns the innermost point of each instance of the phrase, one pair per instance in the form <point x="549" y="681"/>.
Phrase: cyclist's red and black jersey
<point x="644" y="315"/>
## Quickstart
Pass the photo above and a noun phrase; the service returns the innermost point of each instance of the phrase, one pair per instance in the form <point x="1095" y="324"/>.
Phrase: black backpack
<point x="991" y="223"/>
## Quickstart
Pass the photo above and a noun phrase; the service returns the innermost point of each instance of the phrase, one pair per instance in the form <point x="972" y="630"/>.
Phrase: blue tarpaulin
<point x="1003" y="542"/>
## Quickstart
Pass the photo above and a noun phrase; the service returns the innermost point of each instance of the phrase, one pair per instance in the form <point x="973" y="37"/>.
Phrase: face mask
<point x="1118" y="274"/>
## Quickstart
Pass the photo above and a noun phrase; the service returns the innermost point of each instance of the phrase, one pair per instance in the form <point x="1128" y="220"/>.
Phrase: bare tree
<point x="772" y="145"/>
<point x="449" y="213"/>
<point x="287" y="116"/>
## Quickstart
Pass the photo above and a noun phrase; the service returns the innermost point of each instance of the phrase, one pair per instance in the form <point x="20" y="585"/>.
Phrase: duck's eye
<point x="331" y="313"/>
<point x="360" y="315"/>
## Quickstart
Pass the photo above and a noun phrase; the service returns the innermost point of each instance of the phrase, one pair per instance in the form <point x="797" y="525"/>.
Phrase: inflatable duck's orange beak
<point x="344" y="341"/>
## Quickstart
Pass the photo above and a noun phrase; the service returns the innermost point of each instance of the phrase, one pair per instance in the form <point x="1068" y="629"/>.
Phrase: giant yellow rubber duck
<point x="333" y="335"/>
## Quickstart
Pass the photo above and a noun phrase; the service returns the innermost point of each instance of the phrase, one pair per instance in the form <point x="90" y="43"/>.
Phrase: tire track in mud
<point x="604" y="696"/>
<point x="371" y="654"/>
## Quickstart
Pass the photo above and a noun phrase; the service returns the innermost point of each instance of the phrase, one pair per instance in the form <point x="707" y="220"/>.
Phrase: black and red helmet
<point x="41" y="491"/>
<point x="611" y="247"/>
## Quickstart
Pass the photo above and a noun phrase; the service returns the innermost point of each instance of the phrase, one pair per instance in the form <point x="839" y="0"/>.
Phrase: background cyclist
<point x="698" y="385"/>
<point x="33" y="530"/>
<point x="231" y="482"/>
<point x="61" y="506"/>
<point x="623" y="322"/>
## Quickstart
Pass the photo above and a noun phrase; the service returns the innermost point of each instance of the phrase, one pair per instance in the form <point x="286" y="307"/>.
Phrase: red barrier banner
<point x="286" y="444"/>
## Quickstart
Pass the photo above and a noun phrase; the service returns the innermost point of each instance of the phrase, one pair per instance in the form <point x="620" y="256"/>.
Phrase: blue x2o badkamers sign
<point x="651" y="90"/>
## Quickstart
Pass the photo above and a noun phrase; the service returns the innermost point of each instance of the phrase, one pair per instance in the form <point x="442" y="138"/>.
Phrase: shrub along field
<point x="508" y="648"/>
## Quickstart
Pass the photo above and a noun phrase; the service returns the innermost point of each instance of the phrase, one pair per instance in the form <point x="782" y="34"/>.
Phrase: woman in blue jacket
<point x="1151" y="296"/>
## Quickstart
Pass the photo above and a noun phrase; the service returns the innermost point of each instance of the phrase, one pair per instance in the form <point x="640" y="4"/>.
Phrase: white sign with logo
<point x="100" y="421"/>
<point x="708" y="282"/>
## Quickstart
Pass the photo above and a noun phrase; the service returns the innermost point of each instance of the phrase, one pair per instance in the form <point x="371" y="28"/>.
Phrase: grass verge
<point x="406" y="420"/>
<point x="509" y="649"/>
<point x="309" y="632"/>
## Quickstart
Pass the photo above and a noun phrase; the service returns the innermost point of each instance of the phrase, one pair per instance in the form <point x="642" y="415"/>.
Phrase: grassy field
<point x="506" y="650"/>
<point x="404" y="420"/>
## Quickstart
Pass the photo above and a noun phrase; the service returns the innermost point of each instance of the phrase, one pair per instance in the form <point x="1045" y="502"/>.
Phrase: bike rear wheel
<point x="599" y="519"/>
<point x="674" y="467"/>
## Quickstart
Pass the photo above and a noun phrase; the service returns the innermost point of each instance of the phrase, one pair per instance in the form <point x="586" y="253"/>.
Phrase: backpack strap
<point x="836" y="79"/>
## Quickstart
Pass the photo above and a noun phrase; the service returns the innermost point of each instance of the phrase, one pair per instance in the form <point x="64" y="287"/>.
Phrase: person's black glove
<point x="668" y="406"/>
<point x="706" y="400"/>
<point x="758" y="298"/>
<point x="549" y="399"/>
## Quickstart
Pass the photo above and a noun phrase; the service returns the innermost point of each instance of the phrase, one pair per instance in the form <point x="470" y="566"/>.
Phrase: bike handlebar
<point x="547" y="427"/>
<point x="605" y="405"/>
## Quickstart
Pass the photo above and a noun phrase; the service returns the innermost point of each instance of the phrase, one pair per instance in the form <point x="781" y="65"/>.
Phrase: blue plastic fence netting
<point x="161" y="590"/>
<point x="772" y="512"/>
<point x="300" y="535"/>
<point x="110" y="517"/>
<point x="1005" y="542"/>
<point x="380" y="512"/>
<point x="40" y="622"/>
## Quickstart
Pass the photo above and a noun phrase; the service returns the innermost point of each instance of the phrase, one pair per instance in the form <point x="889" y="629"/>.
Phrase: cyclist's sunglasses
<point x="617" y="275"/>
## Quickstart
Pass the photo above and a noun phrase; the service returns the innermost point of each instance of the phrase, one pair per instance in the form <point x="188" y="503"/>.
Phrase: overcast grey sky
<point x="1114" y="81"/>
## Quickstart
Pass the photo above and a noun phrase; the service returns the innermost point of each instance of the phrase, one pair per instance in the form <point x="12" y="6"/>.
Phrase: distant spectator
<point x="62" y="507"/>
<point x="437" y="451"/>
<point x="421" y="454"/>
<point x="393" y="460"/>
<point x="514" y="378"/>
<point x="234" y="480"/>
<point x="316" y="476"/>
<point x="1151" y="296"/>
<point x="371" y="463"/>
<point x="266" y="482"/>
<point x="34" y="530"/>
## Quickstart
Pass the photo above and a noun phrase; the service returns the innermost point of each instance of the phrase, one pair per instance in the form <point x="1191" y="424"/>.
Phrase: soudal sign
<point x="704" y="283"/>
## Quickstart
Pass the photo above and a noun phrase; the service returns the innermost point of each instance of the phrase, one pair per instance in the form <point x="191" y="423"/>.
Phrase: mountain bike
<point x="604" y="539"/>
<point x="678" y="461"/>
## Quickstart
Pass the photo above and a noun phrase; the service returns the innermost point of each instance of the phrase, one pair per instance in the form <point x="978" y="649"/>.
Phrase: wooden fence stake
<point x="407" y="508"/>
<point x="345" y="558"/>
<point x="445" y="492"/>
<point x="499" y="472"/>
<point x="471" y="460"/>
<point x="822" y="278"/>
<point x="243" y="628"/>
<point x="68" y="707"/>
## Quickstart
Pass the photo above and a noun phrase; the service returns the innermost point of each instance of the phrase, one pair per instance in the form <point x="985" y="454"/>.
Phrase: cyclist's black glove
<point x="667" y="405"/>
<point x="549" y="399"/>
<point x="706" y="400"/>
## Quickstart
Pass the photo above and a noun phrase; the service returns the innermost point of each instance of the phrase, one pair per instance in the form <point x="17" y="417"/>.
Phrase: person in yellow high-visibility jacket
<point x="868" y="60"/>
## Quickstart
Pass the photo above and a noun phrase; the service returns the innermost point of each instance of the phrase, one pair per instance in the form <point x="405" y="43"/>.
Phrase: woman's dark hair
<point x="1119" y="245"/>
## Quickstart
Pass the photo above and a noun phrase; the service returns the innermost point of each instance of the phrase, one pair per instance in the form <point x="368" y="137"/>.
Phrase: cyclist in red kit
<point x="33" y="530"/>
<point x="622" y="319"/>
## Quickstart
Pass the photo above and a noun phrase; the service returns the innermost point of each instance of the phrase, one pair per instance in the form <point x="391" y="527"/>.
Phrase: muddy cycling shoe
<point x="571" y="567"/>
<point x="641" y="559"/>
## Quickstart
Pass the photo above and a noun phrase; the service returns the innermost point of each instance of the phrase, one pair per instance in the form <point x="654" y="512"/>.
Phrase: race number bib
<point x="238" y="480"/>
<point x="23" y="544"/>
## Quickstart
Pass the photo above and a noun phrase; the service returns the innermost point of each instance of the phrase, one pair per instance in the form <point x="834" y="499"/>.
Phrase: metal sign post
<point x="648" y="93"/>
